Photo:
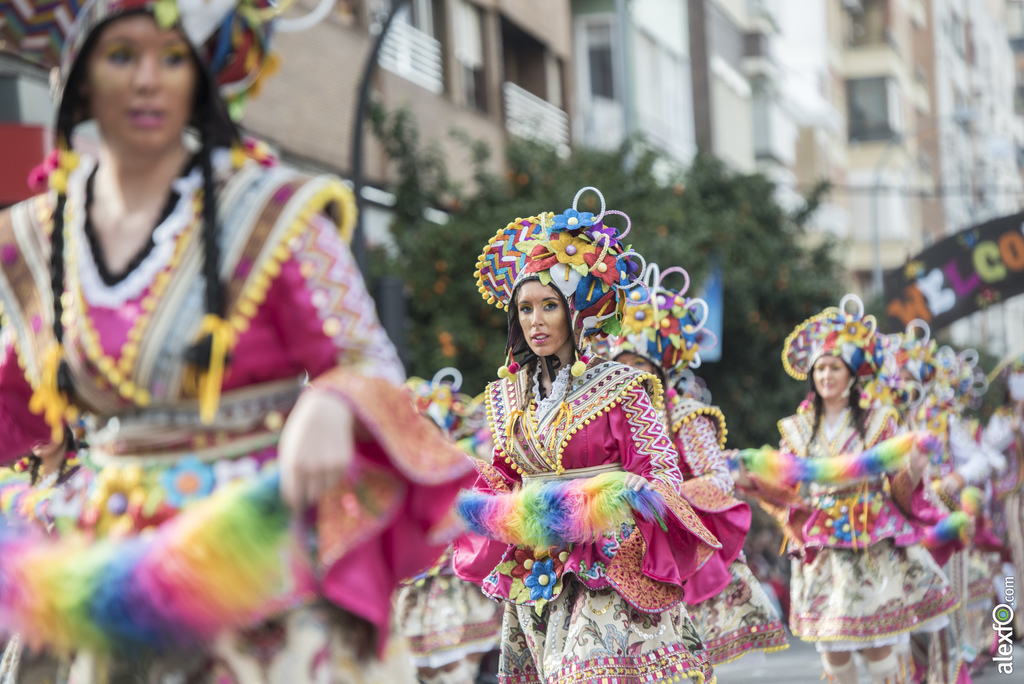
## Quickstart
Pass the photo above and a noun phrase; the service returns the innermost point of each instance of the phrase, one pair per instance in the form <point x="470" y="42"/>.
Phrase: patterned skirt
<point x="587" y="636"/>
<point x="306" y="646"/>
<point x="444" y="619"/>
<point x="867" y="595"/>
<point x="740" y="620"/>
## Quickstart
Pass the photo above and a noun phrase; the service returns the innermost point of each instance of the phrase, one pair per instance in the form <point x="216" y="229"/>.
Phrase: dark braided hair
<point x="200" y="353"/>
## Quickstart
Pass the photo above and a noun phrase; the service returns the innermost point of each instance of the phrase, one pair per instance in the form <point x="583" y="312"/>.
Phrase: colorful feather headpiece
<point x="667" y="330"/>
<point x="441" y="401"/>
<point x="849" y="335"/>
<point x="576" y="253"/>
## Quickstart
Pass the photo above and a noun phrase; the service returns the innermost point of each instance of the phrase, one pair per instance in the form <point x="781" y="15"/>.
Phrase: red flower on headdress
<point x="610" y="274"/>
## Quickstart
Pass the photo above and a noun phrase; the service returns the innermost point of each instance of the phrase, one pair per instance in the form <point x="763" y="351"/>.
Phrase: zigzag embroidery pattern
<point x="36" y="30"/>
<point x="502" y="262"/>
<point x="650" y="437"/>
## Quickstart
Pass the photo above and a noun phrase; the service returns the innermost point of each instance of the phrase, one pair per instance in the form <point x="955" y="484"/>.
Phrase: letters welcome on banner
<point x="964" y="273"/>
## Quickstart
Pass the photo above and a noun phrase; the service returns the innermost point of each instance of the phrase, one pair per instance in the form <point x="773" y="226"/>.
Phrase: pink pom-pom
<point x="672" y="393"/>
<point x="38" y="176"/>
<point x="513" y="367"/>
<point x="585" y="358"/>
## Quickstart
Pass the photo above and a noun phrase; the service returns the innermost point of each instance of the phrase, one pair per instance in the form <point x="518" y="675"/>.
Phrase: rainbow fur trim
<point x="886" y="457"/>
<point x="224" y="563"/>
<point x="950" y="528"/>
<point x="971" y="501"/>
<point x="559" y="513"/>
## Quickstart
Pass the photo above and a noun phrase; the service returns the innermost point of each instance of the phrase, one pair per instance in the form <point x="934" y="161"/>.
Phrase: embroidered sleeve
<point x="19" y="427"/>
<point x="329" y="326"/>
<point x="698" y="446"/>
<point x="324" y="311"/>
<point x="646" y="447"/>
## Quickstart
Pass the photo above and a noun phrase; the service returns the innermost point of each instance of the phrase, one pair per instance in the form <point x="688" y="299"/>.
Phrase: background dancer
<point x="664" y="337"/>
<point x="860" y="578"/>
<point x="449" y="623"/>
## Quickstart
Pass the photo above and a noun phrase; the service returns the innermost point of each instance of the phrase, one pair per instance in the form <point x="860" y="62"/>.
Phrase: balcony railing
<point x="413" y="55"/>
<point x="533" y="118"/>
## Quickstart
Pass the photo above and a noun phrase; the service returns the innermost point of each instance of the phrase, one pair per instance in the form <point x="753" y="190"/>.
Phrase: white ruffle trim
<point x="558" y="389"/>
<point x="98" y="293"/>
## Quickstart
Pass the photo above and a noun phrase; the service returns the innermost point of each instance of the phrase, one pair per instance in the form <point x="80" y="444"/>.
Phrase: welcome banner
<point x="967" y="272"/>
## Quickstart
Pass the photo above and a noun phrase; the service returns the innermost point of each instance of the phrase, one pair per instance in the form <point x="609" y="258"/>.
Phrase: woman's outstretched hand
<point x="316" y="448"/>
<point x="636" y="482"/>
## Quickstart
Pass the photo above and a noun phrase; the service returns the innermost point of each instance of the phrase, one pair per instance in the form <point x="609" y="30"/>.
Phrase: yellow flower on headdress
<point x="636" y="319"/>
<point x="853" y="331"/>
<point x="570" y="250"/>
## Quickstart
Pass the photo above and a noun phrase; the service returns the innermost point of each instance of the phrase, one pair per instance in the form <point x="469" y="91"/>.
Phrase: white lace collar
<point x="97" y="292"/>
<point x="558" y="390"/>
<point x="832" y="429"/>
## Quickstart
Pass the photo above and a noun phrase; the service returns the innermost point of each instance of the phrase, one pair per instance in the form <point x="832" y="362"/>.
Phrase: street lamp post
<point x="359" y="234"/>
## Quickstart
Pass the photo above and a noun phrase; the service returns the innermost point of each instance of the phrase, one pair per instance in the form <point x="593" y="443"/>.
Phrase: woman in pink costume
<point x="199" y="306"/>
<point x="939" y="380"/>
<point x="861" y="580"/>
<point x="605" y="607"/>
<point x="1005" y="433"/>
<point x="449" y="623"/>
<point x="664" y="337"/>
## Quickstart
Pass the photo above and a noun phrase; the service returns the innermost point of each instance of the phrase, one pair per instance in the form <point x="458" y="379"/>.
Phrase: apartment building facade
<point x="487" y="68"/>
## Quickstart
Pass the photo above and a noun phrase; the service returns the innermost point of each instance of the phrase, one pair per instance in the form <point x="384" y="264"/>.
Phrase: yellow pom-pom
<point x="578" y="369"/>
<point x="59" y="180"/>
<point x="503" y="372"/>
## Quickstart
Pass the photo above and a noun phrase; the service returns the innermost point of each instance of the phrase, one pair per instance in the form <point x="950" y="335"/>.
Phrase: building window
<point x="469" y="53"/>
<point x="875" y="110"/>
<point x="868" y="23"/>
<point x="599" y="60"/>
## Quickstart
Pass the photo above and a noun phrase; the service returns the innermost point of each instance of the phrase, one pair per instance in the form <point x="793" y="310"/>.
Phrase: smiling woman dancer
<point x="582" y="530"/>
<point x="665" y="337"/>
<point x="861" y="580"/>
<point x="178" y="294"/>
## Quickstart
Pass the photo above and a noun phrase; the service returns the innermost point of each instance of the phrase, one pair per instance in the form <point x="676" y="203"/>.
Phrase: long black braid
<point x="199" y="354"/>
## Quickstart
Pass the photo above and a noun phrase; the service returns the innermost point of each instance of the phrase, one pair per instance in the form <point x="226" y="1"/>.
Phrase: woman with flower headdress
<point x="861" y="580"/>
<point x="449" y="624"/>
<point x="579" y="525"/>
<point x="940" y="380"/>
<point x="177" y="290"/>
<point x="1005" y="434"/>
<point x="664" y="336"/>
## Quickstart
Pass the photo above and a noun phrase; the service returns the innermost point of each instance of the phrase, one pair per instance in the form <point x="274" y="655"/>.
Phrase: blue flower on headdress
<point x="541" y="581"/>
<point x="572" y="220"/>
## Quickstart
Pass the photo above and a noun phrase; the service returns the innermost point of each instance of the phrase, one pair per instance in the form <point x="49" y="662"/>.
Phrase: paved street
<point x="801" y="664"/>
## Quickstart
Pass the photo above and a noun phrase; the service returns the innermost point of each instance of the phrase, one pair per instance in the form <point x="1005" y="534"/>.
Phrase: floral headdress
<point x="667" y="329"/>
<point x="916" y="352"/>
<point x="849" y="335"/>
<point x="959" y="378"/>
<point x="441" y="401"/>
<point x="578" y="255"/>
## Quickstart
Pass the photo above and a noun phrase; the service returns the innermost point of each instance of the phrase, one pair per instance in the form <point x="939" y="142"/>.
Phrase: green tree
<point x="679" y="218"/>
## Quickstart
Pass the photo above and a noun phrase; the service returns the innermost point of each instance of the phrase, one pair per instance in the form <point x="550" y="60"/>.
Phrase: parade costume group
<point x="579" y="517"/>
